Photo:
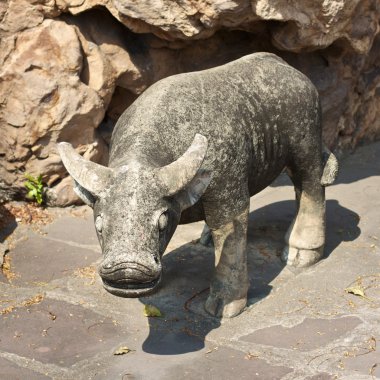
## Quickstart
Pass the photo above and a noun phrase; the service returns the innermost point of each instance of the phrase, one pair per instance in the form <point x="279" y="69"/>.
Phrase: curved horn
<point x="91" y="176"/>
<point x="179" y="173"/>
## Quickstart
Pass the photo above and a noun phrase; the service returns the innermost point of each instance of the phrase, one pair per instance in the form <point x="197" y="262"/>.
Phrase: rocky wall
<point x="68" y="68"/>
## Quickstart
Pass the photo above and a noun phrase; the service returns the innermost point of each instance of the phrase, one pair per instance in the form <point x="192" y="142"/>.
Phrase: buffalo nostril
<point x="107" y="264"/>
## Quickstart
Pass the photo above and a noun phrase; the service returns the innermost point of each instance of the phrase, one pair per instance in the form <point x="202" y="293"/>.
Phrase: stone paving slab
<point x="308" y="335"/>
<point x="37" y="259"/>
<point x="76" y="228"/>
<point x="226" y="363"/>
<point x="58" y="332"/>
<point x="9" y="370"/>
<point x="300" y="323"/>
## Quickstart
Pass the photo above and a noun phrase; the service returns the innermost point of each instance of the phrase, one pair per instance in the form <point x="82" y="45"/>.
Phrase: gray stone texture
<point x="188" y="343"/>
<point x="9" y="370"/>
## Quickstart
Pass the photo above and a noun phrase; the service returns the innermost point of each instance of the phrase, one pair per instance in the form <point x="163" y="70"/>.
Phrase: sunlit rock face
<point x="69" y="68"/>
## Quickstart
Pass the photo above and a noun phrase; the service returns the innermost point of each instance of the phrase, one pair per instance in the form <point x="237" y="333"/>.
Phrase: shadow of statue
<point x="188" y="269"/>
<point x="7" y="226"/>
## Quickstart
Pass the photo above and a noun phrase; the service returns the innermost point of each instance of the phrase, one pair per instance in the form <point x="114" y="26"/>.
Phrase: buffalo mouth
<point x="127" y="288"/>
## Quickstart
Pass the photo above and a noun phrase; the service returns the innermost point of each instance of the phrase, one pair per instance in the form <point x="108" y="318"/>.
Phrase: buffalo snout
<point x="130" y="278"/>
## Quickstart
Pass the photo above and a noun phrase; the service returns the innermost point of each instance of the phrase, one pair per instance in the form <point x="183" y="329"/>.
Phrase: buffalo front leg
<point x="229" y="285"/>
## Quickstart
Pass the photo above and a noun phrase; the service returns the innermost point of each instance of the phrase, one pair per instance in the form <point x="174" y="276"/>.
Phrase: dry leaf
<point x="7" y="310"/>
<point x="372" y="343"/>
<point x="122" y="350"/>
<point x="34" y="300"/>
<point x="357" y="291"/>
<point x="372" y="370"/>
<point x="340" y="365"/>
<point x="152" y="311"/>
<point x="250" y="356"/>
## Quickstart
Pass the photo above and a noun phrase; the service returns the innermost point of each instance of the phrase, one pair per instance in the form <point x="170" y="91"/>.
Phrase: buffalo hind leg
<point x="305" y="238"/>
<point x="206" y="237"/>
<point x="229" y="285"/>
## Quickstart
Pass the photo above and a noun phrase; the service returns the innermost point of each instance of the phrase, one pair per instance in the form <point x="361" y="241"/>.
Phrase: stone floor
<point x="57" y="322"/>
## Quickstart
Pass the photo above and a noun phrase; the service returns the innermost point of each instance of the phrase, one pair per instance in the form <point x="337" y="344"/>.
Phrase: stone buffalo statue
<point x="197" y="146"/>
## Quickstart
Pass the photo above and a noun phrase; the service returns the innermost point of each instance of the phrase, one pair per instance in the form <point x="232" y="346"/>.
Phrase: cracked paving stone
<point x="37" y="259"/>
<point x="322" y="376"/>
<point x="227" y="363"/>
<point x="308" y="335"/>
<point x="364" y="362"/>
<point x="78" y="230"/>
<point x="11" y="371"/>
<point x="221" y="363"/>
<point x="58" y="332"/>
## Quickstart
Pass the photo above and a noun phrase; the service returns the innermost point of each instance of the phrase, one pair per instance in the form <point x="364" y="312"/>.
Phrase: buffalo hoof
<point x="217" y="307"/>
<point x="301" y="258"/>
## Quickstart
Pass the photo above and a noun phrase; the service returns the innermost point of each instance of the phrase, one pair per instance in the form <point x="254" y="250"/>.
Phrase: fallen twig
<point x="188" y="302"/>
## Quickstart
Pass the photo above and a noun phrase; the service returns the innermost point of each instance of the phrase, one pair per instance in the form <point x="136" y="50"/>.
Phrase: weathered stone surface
<point x="364" y="361"/>
<point x="214" y="366"/>
<point x="65" y="65"/>
<point x="310" y="334"/>
<point x="9" y="369"/>
<point x="72" y="230"/>
<point x="33" y="264"/>
<point x="66" y="333"/>
<point x="321" y="376"/>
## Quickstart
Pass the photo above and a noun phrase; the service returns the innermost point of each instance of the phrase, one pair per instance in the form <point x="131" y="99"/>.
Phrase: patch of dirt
<point x="6" y="269"/>
<point x="38" y="298"/>
<point x="7" y="310"/>
<point x="25" y="213"/>
<point x="87" y="273"/>
<point x="34" y="300"/>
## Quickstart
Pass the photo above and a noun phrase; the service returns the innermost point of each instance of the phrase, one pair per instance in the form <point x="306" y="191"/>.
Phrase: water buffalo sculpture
<point x="197" y="146"/>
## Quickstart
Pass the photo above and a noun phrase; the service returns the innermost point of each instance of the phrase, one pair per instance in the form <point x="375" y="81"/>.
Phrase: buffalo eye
<point x="162" y="221"/>
<point x="99" y="223"/>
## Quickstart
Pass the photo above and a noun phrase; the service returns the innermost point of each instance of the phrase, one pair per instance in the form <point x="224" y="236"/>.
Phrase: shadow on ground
<point x="7" y="226"/>
<point x="188" y="269"/>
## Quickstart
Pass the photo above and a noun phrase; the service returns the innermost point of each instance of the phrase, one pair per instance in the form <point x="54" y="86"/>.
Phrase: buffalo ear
<point x="191" y="194"/>
<point x="83" y="194"/>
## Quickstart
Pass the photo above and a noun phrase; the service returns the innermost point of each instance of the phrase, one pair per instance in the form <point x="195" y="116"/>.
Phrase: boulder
<point x="69" y="68"/>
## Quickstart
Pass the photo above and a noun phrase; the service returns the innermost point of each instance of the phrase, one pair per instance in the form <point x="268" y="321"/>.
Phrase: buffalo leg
<point x="305" y="238"/>
<point x="206" y="237"/>
<point x="229" y="285"/>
